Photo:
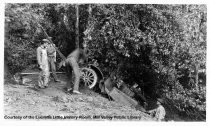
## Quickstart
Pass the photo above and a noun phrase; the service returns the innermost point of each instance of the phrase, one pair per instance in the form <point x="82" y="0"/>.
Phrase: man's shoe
<point x="45" y="86"/>
<point x="67" y="90"/>
<point x="41" y="87"/>
<point x="37" y="87"/>
<point x="76" y="92"/>
<point x="57" y="81"/>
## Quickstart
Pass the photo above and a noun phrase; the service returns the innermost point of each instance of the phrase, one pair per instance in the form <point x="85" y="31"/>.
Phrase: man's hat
<point x="50" y="37"/>
<point x="45" y="40"/>
<point x="160" y="100"/>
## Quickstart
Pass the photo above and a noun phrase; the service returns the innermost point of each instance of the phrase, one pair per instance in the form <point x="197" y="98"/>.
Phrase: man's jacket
<point x="51" y="52"/>
<point x="78" y="54"/>
<point x="42" y="57"/>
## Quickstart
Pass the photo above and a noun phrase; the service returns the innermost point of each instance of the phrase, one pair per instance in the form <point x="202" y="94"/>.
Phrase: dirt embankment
<point x="53" y="103"/>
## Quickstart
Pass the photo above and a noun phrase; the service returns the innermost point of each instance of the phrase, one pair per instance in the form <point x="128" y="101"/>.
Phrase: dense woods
<point x="162" y="48"/>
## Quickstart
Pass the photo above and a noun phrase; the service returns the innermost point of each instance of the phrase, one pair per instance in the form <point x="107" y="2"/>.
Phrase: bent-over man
<point x="71" y="63"/>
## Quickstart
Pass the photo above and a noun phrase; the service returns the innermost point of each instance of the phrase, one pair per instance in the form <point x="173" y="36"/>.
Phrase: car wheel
<point x="89" y="77"/>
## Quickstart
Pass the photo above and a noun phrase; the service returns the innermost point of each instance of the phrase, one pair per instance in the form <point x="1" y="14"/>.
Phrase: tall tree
<point x="77" y="26"/>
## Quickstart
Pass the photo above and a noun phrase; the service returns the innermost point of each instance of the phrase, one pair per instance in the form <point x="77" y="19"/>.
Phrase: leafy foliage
<point x="23" y="34"/>
<point x="151" y="45"/>
<point x="20" y="37"/>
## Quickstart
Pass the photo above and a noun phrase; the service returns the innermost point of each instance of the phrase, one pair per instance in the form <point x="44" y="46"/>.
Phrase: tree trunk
<point x="6" y="69"/>
<point x="77" y="26"/>
<point x="7" y="72"/>
<point x="196" y="67"/>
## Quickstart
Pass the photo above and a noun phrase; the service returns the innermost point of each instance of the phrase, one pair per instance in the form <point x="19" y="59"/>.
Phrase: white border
<point x="97" y="123"/>
<point x="112" y="1"/>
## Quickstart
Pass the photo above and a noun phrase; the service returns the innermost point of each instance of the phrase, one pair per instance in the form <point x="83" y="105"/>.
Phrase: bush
<point x="188" y="101"/>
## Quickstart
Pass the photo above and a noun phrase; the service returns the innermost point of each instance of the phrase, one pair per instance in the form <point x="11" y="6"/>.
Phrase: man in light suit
<point x="159" y="112"/>
<point x="42" y="59"/>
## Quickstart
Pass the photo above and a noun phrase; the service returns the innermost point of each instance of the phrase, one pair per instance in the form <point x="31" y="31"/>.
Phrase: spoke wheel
<point x="89" y="77"/>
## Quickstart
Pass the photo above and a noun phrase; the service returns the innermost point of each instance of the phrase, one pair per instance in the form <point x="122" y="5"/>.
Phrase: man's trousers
<point x="52" y="67"/>
<point x="71" y="63"/>
<point x="43" y="78"/>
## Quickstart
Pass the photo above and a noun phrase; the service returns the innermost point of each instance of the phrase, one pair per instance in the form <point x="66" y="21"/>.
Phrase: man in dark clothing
<point x="71" y="63"/>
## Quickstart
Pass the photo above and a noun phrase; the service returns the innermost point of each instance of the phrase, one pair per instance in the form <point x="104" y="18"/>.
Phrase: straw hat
<point x="45" y="40"/>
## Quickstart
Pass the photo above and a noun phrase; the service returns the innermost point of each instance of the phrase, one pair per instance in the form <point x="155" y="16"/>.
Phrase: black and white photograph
<point x="105" y="62"/>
